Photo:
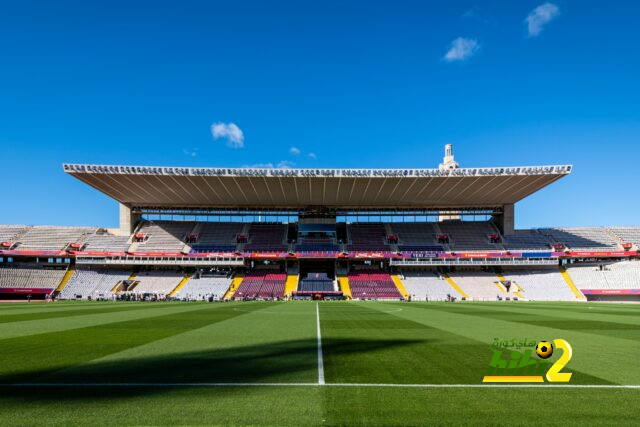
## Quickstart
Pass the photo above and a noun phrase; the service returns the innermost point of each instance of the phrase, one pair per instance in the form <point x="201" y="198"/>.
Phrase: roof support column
<point x="506" y="220"/>
<point x="128" y="220"/>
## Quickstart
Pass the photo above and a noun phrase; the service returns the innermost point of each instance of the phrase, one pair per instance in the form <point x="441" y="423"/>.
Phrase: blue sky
<point x="358" y="84"/>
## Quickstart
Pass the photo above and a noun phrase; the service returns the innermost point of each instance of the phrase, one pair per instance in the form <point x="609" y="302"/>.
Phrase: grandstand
<point x="447" y="232"/>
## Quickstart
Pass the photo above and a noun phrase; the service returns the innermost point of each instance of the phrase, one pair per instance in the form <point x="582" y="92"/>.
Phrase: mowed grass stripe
<point x="268" y="342"/>
<point x="395" y="350"/>
<point x="597" y="358"/>
<point x="89" y="319"/>
<point x="70" y="312"/>
<point x="307" y="406"/>
<point x="29" y="358"/>
<point x="624" y="328"/>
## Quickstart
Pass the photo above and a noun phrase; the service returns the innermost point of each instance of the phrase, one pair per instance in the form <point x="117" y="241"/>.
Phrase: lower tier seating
<point x="21" y="276"/>
<point x="428" y="286"/>
<point x="94" y="283"/>
<point x="372" y="285"/>
<point x="203" y="287"/>
<point x="261" y="285"/>
<point x="541" y="284"/>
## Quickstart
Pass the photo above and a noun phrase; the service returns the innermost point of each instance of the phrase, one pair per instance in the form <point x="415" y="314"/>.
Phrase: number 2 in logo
<point x="554" y="374"/>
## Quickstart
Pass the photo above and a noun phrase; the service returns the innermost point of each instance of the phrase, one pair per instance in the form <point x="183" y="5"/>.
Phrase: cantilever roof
<point x="186" y="188"/>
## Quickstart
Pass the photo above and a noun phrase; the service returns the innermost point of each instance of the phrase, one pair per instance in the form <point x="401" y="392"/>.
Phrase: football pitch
<point x="309" y="363"/>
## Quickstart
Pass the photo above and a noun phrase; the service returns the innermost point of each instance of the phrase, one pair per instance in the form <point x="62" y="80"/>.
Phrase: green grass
<point x="183" y="347"/>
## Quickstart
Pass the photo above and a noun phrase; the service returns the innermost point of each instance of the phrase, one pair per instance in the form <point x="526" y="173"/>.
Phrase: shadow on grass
<point x="284" y="361"/>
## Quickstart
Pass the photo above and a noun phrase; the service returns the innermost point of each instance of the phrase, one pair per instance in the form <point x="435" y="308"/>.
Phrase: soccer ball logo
<point x="544" y="349"/>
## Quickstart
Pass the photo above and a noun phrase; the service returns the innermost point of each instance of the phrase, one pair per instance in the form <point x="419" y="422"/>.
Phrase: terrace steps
<point x="572" y="286"/>
<point x="65" y="279"/>
<point x="518" y="289"/>
<point x="235" y="283"/>
<point x="291" y="285"/>
<point x="181" y="285"/>
<point x="400" y="286"/>
<point x="455" y="286"/>
<point x="343" y="281"/>
<point x="118" y="287"/>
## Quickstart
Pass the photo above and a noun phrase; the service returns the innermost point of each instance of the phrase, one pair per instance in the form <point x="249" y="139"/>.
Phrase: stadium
<point x="313" y="297"/>
<point x="287" y="234"/>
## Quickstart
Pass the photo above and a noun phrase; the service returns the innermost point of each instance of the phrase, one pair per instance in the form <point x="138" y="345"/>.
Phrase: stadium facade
<point x="225" y="233"/>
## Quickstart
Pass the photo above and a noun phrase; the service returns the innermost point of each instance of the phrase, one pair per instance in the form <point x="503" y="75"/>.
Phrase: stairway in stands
<point x="235" y="283"/>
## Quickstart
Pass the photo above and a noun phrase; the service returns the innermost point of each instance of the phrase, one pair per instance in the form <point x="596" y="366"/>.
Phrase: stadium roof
<point x="228" y="188"/>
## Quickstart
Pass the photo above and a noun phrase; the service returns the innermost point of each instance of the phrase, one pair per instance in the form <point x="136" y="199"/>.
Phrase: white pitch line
<point x="353" y="385"/>
<point x="320" y="358"/>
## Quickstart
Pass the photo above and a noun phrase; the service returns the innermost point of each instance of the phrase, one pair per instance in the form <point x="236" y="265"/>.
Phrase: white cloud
<point x="461" y="49"/>
<point x="229" y="131"/>
<point x="190" y="153"/>
<point x="312" y="155"/>
<point x="539" y="17"/>
<point x="285" y="164"/>
<point x="259" y="166"/>
<point x="295" y="151"/>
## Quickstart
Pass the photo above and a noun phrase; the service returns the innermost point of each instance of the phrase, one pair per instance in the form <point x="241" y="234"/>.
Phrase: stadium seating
<point x="205" y="286"/>
<point x="46" y="238"/>
<point x="9" y="233"/>
<point x="541" y="284"/>
<point x="157" y="282"/>
<point x="530" y="240"/>
<point x="582" y="238"/>
<point x="261" y="284"/>
<point x="479" y="285"/>
<point x="470" y="235"/>
<point x="217" y="236"/>
<point x="30" y="276"/>
<point x="427" y="286"/>
<point x="627" y="234"/>
<point x="367" y="237"/>
<point x="316" y="282"/>
<point x="416" y="237"/>
<point x="163" y="236"/>
<point x="617" y="275"/>
<point x="94" y="283"/>
<point x="105" y="242"/>
<point x="372" y="285"/>
<point x="267" y="237"/>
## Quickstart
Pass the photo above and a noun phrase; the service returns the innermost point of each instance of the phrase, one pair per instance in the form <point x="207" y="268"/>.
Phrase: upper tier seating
<point x="416" y="237"/>
<point x="217" y="237"/>
<point x="21" y="276"/>
<point x="157" y="282"/>
<point x="367" y="236"/>
<point x="89" y="282"/>
<point x="261" y="284"/>
<point x="469" y="235"/>
<point x="204" y="287"/>
<point x="265" y="237"/>
<point x="582" y="238"/>
<point x="46" y="238"/>
<point x="627" y="234"/>
<point x="617" y="275"/>
<point x="164" y="236"/>
<point x="317" y="245"/>
<point x="541" y="284"/>
<point x="526" y="240"/>
<point x="427" y="286"/>
<point x="316" y="282"/>
<point x="372" y="285"/>
<point x="479" y="285"/>
<point x="105" y="242"/>
<point x="9" y="232"/>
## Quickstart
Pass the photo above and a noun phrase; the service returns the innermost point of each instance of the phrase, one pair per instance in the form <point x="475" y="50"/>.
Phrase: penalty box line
<point x="348" y="385"/>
